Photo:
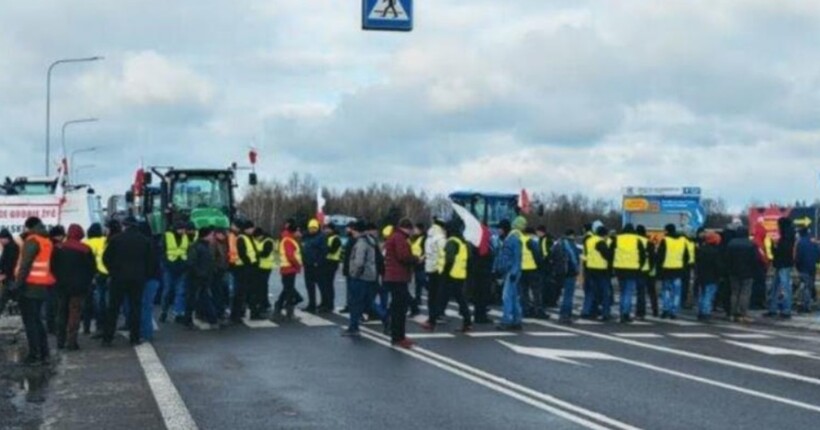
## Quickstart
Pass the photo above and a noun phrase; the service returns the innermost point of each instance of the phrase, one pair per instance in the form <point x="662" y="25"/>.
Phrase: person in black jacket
<point x="129" y="260"/>
<point x="741" y="259"/>
<point x="348" y="251"/>
<point x="783" y="264"/>
<point x="74" y="268"/>
<point x="708" y="271"/>
<point x="8" y="265"/>
<point x="201" y="271"/>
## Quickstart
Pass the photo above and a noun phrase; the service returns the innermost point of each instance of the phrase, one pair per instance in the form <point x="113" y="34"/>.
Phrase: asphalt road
<point x="656" y="375"/>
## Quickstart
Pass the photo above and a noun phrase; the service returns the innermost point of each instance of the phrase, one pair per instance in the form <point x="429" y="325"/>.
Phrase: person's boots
<point x="289" y="314"/>
<point x="276" y="315"/>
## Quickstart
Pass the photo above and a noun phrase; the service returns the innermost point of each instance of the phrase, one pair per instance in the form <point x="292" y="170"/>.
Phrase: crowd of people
<point x="65" y="280"/>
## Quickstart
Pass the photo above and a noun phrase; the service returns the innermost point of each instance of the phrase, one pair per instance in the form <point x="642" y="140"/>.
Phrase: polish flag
<point x="524" y="201"/>
<point x="320" y="206"/>
<point x="253" y="155"/>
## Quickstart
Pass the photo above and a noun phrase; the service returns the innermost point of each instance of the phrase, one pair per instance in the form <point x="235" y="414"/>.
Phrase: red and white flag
<point x="524" y="201"/>
<point x="139" y="180"/>
<point x="320" y="206"/>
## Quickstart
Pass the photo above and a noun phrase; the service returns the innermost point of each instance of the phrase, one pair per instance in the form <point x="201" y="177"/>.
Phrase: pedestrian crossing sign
<point x="388" y="15"/>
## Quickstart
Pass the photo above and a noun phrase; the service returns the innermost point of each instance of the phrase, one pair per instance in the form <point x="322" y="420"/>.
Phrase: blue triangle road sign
<point x="387" y="15"/>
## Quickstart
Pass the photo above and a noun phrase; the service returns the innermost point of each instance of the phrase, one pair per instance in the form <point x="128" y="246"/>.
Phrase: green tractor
<point x="204" y="197"/>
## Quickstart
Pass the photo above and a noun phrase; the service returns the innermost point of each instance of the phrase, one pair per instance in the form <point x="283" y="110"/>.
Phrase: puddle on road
<point x="22" y="389"/>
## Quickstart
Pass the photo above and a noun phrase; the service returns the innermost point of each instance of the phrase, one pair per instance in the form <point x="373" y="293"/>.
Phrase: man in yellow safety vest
<point x="452" y="267"/>
<point x="245" y="269"/>
<point x="329" y="269"/>
<point x="628" y="259"/>
<point x="672" y="259"/>
<point x="175" y="245"/>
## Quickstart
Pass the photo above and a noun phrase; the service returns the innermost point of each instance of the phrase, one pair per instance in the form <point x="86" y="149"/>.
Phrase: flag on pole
<point x="253" y="155"/>
<point x="139" y="180"/>
<point x="320" y="206"/>
<point x="524" y="201"/>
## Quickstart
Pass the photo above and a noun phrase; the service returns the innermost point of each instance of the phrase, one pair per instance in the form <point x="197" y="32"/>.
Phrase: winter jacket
<point x="784" y="249"/>
<point x="436" y="239"/>
<point x="741" y="258"/>
<point x="346" y="256"/>
<point x="564" y="259"/>
<point x="74" y="267"/>
<point x="27" y="256"/>
<point x="129" y="258"/>
<point x="363" y="259"/>
<point x="290" y="248"/>
<point x="807" y="256"/>
<point x="709" y="264"/>
<point x="8" y="261"/>
<point x="398" y="258"/>
<point x="508" y="261"/>
<point x="201" y="262"/>
<point x="314" y="250"/>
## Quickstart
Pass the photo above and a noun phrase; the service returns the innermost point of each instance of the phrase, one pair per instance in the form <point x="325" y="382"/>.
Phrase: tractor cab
<point x="489" y="208"/>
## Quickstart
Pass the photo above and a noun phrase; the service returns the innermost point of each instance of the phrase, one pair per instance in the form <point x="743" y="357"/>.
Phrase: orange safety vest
<point x="233" y="251"/>
<point x="40" y="273"/>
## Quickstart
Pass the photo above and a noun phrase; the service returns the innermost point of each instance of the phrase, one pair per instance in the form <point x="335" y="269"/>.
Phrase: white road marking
<point x="678" y="352"/>
<point x="773" y="350"/>
<point x="638" y="335"/>
<point x="564" y="356"/>
<point x="311" y="320"/>
<point x="550" y="334"/>
<point x="490" y="334"/>
<point x="693" y="335"/>
<point x="174" y="412"/>
<point x="202" y="325"/>
<point x="641" y="323"/>
<point x="746" y="336"/>
<point x="430" y="335"/>
<point x="526" y="395"/>
<point x="587" y="322"/>
<point x="677" y="322"/>
<point x="264" y="323"/>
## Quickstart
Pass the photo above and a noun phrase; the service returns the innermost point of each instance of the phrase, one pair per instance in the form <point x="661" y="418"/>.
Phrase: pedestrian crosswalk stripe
<point x="641" y="323"/>
<point x="202" y="325"/>
<point x="490" y="334"/>
<point x="258" y="324"/>
<point x="693" y="335"/>
<point x="430" y="335"/>
<point x="638" y="335"/>
<point x="587" y="322"/>
<point x="680" y="323"/>
<point x="745" y="336"/>
<point x="551" y="334"/>
<point x="311" y="320"/>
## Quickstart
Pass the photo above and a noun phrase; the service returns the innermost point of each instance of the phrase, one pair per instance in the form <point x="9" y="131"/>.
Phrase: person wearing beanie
<point x="508" y="264"/>
<point x="628" y="258"/>
<point x="175" y="245"/>
<point x="741" y="263"/>
<point x="780" y="291"/>
<point x="363" y="275"/>
<point x="599" y="270"/>
<point x="8" y="265"/>
<point x="398" y="271"/>
<point x="74" y="269"/>
<point x="807" y="256"/>
<point x="245" y="270"/>
<point x="258" y="300"/>
<point x="130" y="261"/>
<point x="708" y="270"/>
<point x="673" y="260"/>
<point x="646" y="280"/>
<point x="591" y="307"/>
<point x="35" y="278"/>
<point x="152" y="284"/>
<point x="329" y="268"/>
<point x="201" y="271"/>
<point x="565" y="266"/>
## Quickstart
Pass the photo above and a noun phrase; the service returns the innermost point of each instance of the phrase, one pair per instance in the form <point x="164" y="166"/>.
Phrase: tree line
<point x="270" y="203"/>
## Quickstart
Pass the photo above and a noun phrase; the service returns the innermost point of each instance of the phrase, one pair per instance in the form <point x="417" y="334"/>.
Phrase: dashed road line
<point x="311" y="320"/>
<point x="550" y="334"/>
<point x="430" y="335"/>
<point x="676" y="322"/>
<point x="491" y="334"/>
<point x="745" y="336"/>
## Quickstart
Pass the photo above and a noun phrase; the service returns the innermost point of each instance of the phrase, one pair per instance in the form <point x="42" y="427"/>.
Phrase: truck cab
<point x="489" y="208"/>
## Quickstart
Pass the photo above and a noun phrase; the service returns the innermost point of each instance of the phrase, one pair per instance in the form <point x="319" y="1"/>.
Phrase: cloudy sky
<point x="560" y="96"/>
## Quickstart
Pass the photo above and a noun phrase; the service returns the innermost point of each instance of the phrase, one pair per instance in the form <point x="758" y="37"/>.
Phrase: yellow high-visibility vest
<point x="527" y="258"/>
<point x="627" y="256"/>
<point x="768" y="243"/>
<point x="336" y="255"/>
<point x="265" y="263"/>
<point x="595" y="260"/>
<point x="459" y="270"/>
<point x="675" y="249"/>
<point x="545" y="250"/>
<point x="250" y="250"/>
<point x="97" y="245"/>
<point x="284" y="263"/>
<point x="176" y="251"/>
<point x="416" y="247"/>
